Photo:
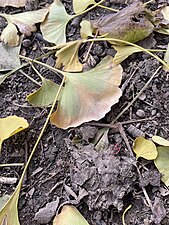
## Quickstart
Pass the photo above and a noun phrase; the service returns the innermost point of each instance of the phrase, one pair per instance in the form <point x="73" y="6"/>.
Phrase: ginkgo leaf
<point x="144" y="148"/>
<point x="10" y="126"/>
<point x="80" y="6"/>
<point x="166" y="58"/>
<point x="10" y="59"/>
<point x="86" y="29"/>
<point x="162" y="163"/>
<point x="24" y="21"/>
<point x="9" y="212"/>
<point x="165" y="12"/>
<point x="160" y="141"/>
<point x="123" y="52"/>
<point x="68" y="57"/>
<point x="89" y="95"/>
<point x="14" y="3"/>
<point x="54" y="26"/>
<point x="69" y="216"/>
<point x="45" y="95"/>
<point x="3" y="200"/>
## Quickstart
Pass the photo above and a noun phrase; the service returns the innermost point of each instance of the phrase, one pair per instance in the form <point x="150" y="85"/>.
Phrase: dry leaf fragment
<point x="144" y="148"/>
<point x="14" y="3"/>
<point x="24" y="21"/>
<point x="89" y="95"/>
<point x="69" y="216"/>
<point x="86" y="29"/>
<point x="162" y="163"/>
<point x="165" y="12"/>
<point x="160" y="141"/>
<point x="54" y="26"/>
<point x="67" y="56"/>
<point x="130" y="24"/>
<point x="10" y="126"/>
<point x="80" y="6"/>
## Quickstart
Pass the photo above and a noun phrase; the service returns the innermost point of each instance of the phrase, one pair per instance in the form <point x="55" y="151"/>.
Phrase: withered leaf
<point x="129" y="24"/>
<point x="24" y="21"/>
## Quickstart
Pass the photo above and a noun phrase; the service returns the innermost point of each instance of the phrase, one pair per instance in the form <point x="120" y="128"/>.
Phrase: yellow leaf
<point x="69" y="216"/>
<point x="67" y="56"/>
<point x="10" y="126"/>
<point x="144" y="148"/>
<point x="24" y="21"/>
<point x="81" y="5"/>
<point x="160" y="141"/>
<point x="165" y="12"/>
<point x="86" y="29"/>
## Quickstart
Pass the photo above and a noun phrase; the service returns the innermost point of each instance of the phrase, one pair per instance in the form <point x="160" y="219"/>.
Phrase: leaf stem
<point x="128" y="43"/>
<point x="111" y="9"/>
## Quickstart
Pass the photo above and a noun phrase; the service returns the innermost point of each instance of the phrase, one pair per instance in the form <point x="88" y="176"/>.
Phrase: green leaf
<point x="80" y="6"/>
<point x="160" y="141"/>
<point x="67" y="56"/>
<point x="9" y="212"/>
<point x="123" y="52"/>
<point x="45" y="95"/>
<point x="144" y="148"/>
<point x="89" y="95"/>
<point x="162" y="163"/>
<point x="24" y="21"/>
<point x="54" y="26"/>
<point x="69" y="216"/>
<point x="10" y="59"/>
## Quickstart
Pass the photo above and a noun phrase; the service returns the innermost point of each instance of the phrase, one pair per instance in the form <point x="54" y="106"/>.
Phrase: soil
<point x="66" y="167"/>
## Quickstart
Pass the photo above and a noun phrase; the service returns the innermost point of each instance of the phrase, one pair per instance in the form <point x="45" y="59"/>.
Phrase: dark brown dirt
<point x="66" y="168"/>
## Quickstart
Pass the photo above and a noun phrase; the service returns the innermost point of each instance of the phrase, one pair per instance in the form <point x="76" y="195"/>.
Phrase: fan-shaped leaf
<point x="24" y="21"/>
<point x="69" y="216"/>
<point x="10" y="126"/>
<point x="45" y="95"/>
<point x="162" y="163"/>
<point x="86" y="29"/>
<point x="144" y="148"/>
<point x="54" y="26"/>
<point x="68" y="57"/>
<point x="89" y="95"/>
<point x="80" y="6"/>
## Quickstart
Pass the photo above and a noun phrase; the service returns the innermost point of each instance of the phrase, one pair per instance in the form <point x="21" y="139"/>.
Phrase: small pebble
<point x="140" y="113"/>
<point x="135" y="132"/>
<point x="26" y="43"/>
<point x="142" y="97"/>
<point x="153" y="112"/>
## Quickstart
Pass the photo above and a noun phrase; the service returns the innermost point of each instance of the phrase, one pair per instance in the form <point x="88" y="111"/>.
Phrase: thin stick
<point x="30" y="78"/>
<point x="11" y="164"/>
<point x="37" y="72"/>
<point x="111" y="9"/>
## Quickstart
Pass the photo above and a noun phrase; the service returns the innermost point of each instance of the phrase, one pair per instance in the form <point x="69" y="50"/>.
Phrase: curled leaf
<point x="54" y="26"/>
<point x="69" y="216"/>
<point x="89" y="95"/>
<point x="10" y="126"/>
<point x="162" y="163"/>
<point x="67" y="56"/>
<point x="144" y="148"/>
<point x="45" y="95"/>
<point x="129" y="24"/>
<point x="80" y="6"/>
<point x="14" y="3"/>
<point x="24" y="21"/>
<point x="160" y="141"/>
<point x="86" y="29"/>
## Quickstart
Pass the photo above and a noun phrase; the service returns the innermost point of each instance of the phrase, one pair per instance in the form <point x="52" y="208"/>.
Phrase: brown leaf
<point x="130" y="24"/>
<point x="14" y="3"/>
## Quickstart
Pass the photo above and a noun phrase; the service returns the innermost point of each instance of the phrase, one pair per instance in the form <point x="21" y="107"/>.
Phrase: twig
<point x="30" y="78"/>
<point x="111" y="9"/>
<point x="11" y="164"/>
